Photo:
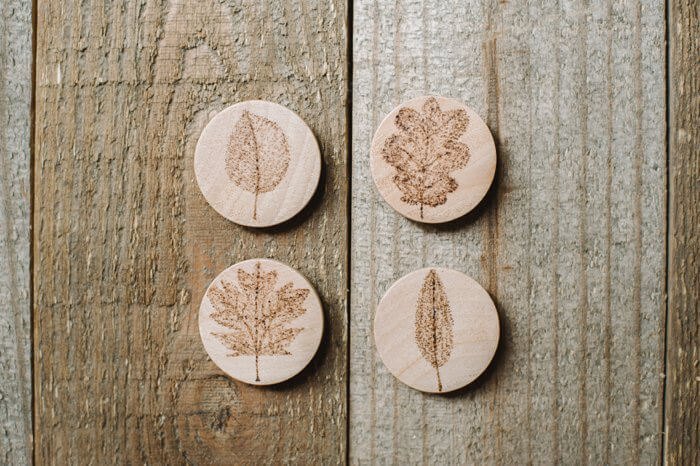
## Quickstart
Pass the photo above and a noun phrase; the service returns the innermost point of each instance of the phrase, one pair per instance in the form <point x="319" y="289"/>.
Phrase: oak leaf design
<point x="257" y="314"/>
<point x="434" y="324"/>
<point x="257" y="156"/>
<point x="424" y="152"/>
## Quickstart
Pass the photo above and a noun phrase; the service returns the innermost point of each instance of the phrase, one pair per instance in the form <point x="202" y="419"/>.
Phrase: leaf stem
<point x="257" y="319"/>
<point x="257" y="373"/>
<point x="255" y="205"/>
<point x="246" y="114"/>
<point x="435" y="357"/>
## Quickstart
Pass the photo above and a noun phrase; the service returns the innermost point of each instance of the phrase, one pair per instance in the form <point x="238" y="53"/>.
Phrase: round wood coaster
<point x="436" y="330"/>
<point x="257" y="163"/>
<point x="433" y="159"/>
<point x="261" y="321"/>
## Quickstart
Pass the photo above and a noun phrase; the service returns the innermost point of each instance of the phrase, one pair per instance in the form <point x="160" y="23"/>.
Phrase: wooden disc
<point x="436" y="330"/>
<point x="257" y="163"/>
<point x="261" y="321"/>
<point x="433" y="159"/>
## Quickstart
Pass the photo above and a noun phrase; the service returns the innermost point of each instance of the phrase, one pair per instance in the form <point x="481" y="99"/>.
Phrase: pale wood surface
<point x="287" y="157"/>
<point x="424" y="138"/>
<point x="126" y="245"/>
<point x="276" y="362"/>
<point x="462" y="343"/>
<point x="682" y="422"/>
<point x="569" y="242"/>
<point x="15" y="340"/>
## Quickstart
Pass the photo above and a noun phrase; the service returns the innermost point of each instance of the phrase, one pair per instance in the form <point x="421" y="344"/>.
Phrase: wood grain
<point x="569" y="241"/>
<point x="126" y="244"/>
<point x="681" y="423"/>
<point x="15" y="340"/>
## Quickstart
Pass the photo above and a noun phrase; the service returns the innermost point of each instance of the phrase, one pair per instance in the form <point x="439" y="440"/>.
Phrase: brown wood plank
<point x="682" y="423"/>
<point x="15" y="340"/>
<point x="569" y="242"/>
<point x="126" y="244"/>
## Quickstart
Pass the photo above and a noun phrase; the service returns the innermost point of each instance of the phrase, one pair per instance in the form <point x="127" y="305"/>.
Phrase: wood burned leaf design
<point x="257" y="155"/>
<point x="424" y="152"/>
<point x="434" y="324"/>
<point x="257" y="314"/>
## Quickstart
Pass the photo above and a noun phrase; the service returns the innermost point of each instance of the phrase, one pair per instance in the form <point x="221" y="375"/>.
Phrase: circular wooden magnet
<point x="436" y="330"/>
<point x="433" y="159"/>
<point x="257" y="163"/>
<point x="261" y="321"/>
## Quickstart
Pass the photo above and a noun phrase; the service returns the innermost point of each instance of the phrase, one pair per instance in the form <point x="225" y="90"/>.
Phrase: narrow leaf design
<point x="434" y="324"/>
<point x="257" y="314"/>
<point x="424" y="152"/>
<point x="257" y="155"/>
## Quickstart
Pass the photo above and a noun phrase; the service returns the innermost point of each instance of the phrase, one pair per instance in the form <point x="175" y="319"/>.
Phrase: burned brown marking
<point x="257" y="314"/>
<point x="434" y="324"/>
<point x="257" y="155"/>
<point x="424" y="152"/>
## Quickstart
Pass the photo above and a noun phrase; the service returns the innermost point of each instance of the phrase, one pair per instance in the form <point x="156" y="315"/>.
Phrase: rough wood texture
<point x="682" y="423"/>
<point x="15" y="342"/>
<point x="569" y="242"/>
<point x="126" y="244"/>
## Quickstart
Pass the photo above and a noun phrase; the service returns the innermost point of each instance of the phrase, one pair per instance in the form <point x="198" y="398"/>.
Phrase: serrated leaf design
<point x="257" y="156"/>
<point x="257" y="314"/>
<point x="424" y="152"/>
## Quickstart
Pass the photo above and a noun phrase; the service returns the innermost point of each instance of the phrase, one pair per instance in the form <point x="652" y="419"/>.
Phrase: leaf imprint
<point x="257" y="314"/>
<point x="257" y="155"/>
<point x="434" y="324"/>
<point x="425" y="150"/>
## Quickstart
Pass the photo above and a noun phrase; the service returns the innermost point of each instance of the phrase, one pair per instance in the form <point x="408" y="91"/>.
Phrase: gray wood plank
<point x="126" y="245"/>
<point x="15" y="355"/>
<point x="569" y="242"/>
<point x="682" y="423"/>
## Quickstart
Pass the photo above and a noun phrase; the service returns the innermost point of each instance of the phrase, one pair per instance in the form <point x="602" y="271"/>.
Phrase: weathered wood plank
<point x="15" y="340"/>
<point x="569" y="242"/>
<point x="126" y="244"/>
<point x="682" y="425"/>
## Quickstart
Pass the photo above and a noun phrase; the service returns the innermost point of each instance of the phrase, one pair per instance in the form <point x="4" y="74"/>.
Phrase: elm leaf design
<point x="424" y="152"/>
<point x="257" y="156"/>
<point x="257" y="314"/>
<point x="434" y="324"/>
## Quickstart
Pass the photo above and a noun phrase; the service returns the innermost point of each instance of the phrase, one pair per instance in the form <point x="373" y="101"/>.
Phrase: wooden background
<point x="588" y="240"/>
